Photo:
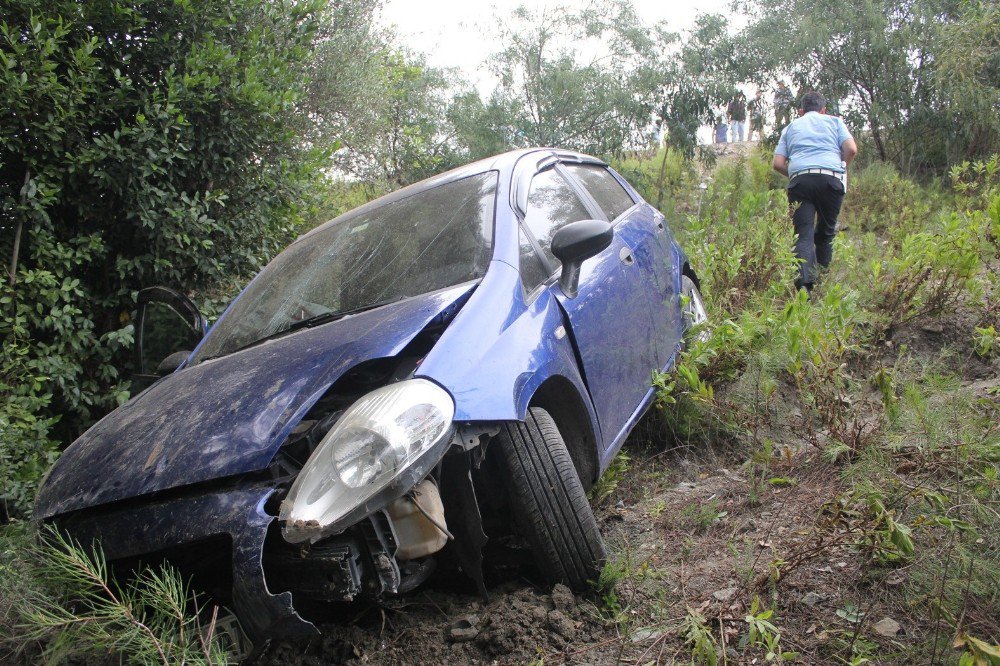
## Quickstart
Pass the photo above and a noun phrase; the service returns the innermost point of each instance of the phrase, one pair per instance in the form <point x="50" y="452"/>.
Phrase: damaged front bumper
<point x="146" y="531"/>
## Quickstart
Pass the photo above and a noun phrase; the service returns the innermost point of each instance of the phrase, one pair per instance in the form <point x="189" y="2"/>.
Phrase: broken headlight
<point x="382" y="445"/>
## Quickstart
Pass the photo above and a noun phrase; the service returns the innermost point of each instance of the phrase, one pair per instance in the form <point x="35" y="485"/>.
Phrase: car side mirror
<point x="574" y="244"/>
<point x="167" y="326"/>
<point x="172" y="362"/>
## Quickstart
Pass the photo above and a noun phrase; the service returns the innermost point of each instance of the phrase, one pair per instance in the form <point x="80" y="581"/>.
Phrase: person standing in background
<point x="783" y="101"/>
<point x="737" y="111"/>
<point x="720" y="130"/>
<point x="814" y="151"/>
<point x="756" y="110"/>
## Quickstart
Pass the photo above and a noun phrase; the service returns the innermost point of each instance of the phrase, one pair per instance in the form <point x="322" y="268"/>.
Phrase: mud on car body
<point x="453" y="363"/>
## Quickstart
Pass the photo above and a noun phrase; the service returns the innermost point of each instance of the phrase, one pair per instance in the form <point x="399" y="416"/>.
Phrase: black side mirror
<point x="167" y="326"/>
<point x="574" y="244"/>
<point x="172" y="362"/>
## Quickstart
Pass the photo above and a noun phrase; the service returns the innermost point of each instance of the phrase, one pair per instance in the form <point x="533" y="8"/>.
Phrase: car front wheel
<point x="550" y="505"/>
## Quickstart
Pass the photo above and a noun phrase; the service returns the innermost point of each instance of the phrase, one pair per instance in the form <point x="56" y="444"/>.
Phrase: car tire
<point x="550" y="506"/>
<point x="693" y="308"/>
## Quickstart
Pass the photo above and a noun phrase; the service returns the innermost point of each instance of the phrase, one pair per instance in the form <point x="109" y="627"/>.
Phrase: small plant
<point x="608" y="483"/>
<point x="76" y="609"/>
<point x="986" y="341"/>
<point x="698" y="636"/>
<point x="761" y="632"/>
<point x="699" y="516"/>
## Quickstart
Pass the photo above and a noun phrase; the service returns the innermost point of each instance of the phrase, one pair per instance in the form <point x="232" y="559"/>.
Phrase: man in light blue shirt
<point x="814" y="151"/>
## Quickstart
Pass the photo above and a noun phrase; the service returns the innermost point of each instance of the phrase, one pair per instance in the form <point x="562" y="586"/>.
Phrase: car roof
<point x="504" y="163"/>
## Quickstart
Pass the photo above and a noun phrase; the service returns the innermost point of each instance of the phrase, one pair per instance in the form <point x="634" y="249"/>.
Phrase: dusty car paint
<point x="226" y="416"/>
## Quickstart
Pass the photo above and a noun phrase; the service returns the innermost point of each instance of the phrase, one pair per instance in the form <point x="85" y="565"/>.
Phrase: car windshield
<point x="431" y="240"/>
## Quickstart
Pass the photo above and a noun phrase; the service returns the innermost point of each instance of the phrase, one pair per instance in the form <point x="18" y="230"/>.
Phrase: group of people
<point x="813" y="152"/>
<point x="733" y="127"/>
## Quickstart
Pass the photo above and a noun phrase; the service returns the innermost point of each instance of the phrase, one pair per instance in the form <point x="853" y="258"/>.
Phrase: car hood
<point x="229" y="415"/>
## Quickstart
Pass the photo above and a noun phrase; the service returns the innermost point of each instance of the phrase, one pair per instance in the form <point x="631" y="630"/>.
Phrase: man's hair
<point x="812" y="101"/>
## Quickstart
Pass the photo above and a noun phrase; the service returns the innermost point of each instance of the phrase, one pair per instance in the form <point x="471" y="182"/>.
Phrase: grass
<point x="853" y="418"/>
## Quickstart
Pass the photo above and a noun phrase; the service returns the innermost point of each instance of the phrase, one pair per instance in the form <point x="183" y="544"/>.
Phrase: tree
<point x="140" y="143"/>
<point x="897" y="66"/>
<point x="551" y="93"/>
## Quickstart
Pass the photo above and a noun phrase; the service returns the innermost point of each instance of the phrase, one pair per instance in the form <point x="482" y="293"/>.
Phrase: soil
<point x="696" y="531"/>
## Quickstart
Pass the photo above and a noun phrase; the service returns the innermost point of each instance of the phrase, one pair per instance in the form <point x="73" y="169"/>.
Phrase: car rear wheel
<point x="693" y="308"/>
<point x="550" y="506"/>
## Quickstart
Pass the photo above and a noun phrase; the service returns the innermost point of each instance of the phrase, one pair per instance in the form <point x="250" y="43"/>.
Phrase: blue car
<point x="442" y="371"/>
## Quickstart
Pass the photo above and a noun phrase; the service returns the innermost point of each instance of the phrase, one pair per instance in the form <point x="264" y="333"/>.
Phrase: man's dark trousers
<point x="817" y="198"/>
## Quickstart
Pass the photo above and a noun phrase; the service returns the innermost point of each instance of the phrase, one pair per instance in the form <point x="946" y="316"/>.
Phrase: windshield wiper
<point x="310" y="322"/>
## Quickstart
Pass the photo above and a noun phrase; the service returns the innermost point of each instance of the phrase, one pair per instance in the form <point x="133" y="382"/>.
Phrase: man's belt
<point x="828" y="172"/>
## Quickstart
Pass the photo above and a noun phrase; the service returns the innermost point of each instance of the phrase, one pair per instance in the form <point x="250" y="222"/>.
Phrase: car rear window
<point x="605" y="188"/>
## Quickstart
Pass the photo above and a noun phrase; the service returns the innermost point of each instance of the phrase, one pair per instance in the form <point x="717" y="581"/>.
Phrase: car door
<point x="643" y="229"/>
<point x="608" y="317"/>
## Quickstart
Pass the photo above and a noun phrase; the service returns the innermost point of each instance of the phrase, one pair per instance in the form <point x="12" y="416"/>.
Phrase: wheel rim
<point x="694" y="311"/>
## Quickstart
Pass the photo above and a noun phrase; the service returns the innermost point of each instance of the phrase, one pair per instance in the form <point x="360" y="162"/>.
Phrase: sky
<point x="456" y="33"/>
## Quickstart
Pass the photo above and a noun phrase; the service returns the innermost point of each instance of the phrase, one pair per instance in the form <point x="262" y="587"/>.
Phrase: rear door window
<point x="605" y="188"/>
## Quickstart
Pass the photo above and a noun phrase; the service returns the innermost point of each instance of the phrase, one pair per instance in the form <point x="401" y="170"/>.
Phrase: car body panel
<point x="499" y="350"/>
<point x="228" y="415"/>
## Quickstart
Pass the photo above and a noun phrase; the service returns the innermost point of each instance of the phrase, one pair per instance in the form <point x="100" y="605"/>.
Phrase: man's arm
<point x="780" y="164"/>
<point x="848" y="151"/>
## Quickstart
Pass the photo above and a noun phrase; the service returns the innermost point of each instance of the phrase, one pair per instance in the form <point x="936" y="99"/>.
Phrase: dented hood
<point x="229" y="415"/>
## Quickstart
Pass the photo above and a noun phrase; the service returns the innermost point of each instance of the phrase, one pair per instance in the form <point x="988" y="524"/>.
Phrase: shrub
<point x="59" y="599"/>
<point x="879" y="198"/>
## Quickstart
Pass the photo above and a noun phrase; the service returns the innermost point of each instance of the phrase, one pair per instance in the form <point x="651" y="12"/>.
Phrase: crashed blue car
<point x="450" y="366"/>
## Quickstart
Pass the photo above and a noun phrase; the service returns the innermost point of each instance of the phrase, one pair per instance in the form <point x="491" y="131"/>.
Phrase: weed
<point x="698" y="636"/>
<point x="72" y="607"/>
<point x="699" y="516"/>
<point x="608" y="483"/>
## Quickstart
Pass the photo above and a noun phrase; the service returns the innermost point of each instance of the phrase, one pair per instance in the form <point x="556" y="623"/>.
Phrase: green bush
<point x="141" y="143"/>
<point x="59" y="602"/>
<point x="879" y="198"/>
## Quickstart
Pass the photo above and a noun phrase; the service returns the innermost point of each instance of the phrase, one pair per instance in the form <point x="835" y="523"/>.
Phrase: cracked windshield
<point x="425" y="242"/>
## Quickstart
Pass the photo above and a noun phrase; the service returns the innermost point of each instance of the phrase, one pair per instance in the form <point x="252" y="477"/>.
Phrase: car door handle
<point x="625" y="255"/>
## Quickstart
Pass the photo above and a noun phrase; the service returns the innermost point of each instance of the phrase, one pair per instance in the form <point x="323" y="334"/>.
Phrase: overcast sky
<point x="456" y="33"/>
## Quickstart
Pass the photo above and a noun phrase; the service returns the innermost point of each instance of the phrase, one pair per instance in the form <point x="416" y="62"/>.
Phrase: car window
<point x="533" y="271"/>
<point x="552" y="205"/>
<point x="434" y="239"/>
<point x="605" y="188"/>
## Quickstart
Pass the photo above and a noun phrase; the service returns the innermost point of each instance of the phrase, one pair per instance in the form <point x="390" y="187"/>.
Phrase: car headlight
<point x="382" y="445"/>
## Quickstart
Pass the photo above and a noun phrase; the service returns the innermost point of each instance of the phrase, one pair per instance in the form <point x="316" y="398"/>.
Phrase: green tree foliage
<point x="141" y="143"/>
<point x="551" y="94"/>
<point x="921" y="76"/>
<point x="378" y="107"/>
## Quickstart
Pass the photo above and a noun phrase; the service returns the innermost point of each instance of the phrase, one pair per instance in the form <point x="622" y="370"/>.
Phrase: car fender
<point x="499" y="350"/>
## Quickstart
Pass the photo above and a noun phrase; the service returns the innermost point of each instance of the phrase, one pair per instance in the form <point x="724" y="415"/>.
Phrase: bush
<point x="140" y="144"/>
<point x="879" y="198"/>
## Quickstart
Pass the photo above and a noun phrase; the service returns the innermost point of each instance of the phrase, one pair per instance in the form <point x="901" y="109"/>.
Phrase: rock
<point x="933" y="327"/>
<point x="464" y="629"/>
<point x="563" y="599"/>
<point x="562" y="625"/>
<point x="539" y="613"/>
<point x="894" y="579"/>
<point x="646" y="634"/>
<point x="811" y="599"/>
<point x="887" y="627"/>
<point x="725" y="595"/>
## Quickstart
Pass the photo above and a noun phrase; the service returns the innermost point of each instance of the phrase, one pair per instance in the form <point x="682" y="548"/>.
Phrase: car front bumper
<point x="133" y="531"/>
